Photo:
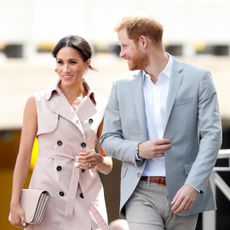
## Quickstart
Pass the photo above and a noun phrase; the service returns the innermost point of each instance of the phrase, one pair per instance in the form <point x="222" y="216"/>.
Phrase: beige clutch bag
<point x="34" y="202"/>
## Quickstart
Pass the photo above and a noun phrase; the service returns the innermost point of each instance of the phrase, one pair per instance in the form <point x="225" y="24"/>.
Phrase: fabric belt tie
<point x="154" y="179"/>
<point x="73" y="189"/>
<point x="102" y="224"/>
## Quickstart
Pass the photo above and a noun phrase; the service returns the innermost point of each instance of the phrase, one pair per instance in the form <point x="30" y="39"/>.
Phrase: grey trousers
<point x="149" y="209"/>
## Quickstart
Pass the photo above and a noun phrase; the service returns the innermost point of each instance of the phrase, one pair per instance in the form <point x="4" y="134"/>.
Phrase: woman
<point x="67" y="120"/>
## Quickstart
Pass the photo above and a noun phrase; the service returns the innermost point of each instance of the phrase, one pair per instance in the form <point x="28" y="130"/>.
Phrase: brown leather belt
<point x="154" y="179"/>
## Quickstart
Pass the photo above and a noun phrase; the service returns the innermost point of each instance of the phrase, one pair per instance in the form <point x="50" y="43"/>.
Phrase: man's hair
<point x="137" y="26"/>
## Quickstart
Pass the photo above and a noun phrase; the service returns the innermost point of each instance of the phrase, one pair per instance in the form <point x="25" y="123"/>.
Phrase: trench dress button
<point x="61" y="193"/>
<point x="83" y="145"/>
<point x="59" y="168"/>
<point x="81" y="195"/>
<point x="59" y="143"/>
<point x="90" y="121"/>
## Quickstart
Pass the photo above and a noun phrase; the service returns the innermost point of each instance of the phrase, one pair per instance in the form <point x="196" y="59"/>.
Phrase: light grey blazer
<point x="193" y="124"/>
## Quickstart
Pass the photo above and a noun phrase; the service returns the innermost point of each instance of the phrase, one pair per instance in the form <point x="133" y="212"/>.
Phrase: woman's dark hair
<point x="76" y="42"/>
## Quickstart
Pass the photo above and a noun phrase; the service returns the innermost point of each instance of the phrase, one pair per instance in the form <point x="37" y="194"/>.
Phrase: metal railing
<point x="209" y="218"/>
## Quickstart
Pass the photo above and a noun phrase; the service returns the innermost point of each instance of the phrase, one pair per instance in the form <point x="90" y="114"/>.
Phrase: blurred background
<point x="196" y="31"/>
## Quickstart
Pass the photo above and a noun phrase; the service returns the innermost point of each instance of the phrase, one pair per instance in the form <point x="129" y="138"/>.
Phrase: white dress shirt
<point x="155" y="96"/>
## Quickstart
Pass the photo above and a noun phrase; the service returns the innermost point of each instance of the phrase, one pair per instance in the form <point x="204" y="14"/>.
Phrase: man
<point x="163" y="123"/>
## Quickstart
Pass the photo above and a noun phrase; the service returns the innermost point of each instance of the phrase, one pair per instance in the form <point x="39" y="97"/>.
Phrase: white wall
<point x="48" y="20"/>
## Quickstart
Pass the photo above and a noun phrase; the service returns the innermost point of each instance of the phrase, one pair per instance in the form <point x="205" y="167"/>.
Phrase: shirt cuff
<point x="198" y="190"/>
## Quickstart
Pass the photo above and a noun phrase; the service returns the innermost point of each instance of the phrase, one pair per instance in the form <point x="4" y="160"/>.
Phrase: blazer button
<point x="90" y="121"/>
<point x="83" y="144"/>
<point x="59" y="168"/>
<point x="139" y="174"/>
<point x="81" y="195"/>
<point x="61" y="193"/>
<point x="59" y="143"/>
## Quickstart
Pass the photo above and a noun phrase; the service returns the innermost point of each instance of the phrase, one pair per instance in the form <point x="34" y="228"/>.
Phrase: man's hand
<point x="184" y="199"/>
<point x="154" y="148"/>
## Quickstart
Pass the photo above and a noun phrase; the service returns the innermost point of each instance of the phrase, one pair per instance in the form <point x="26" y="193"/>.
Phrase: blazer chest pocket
<point x="183" y="101"/>
<point x="132" y="126"/>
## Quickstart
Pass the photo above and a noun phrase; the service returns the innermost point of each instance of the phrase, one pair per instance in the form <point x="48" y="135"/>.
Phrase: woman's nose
<point x="66" y="67"/>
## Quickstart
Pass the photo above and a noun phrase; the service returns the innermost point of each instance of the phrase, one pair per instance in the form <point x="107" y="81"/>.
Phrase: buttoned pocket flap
<point x="49" y="124"/>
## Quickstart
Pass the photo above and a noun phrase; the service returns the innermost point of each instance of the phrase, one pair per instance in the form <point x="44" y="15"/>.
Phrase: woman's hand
<point x="88" y="159"/>
<point x="17" y="217"/>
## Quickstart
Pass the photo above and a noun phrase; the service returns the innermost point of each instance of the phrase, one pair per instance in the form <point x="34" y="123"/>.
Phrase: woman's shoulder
<point x="46" y="93"/>
<point x="40" y="94"/>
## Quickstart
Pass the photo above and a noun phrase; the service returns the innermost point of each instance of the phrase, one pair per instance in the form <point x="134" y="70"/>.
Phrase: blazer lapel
<point x="175" y="82"/>
<point x="139" y="103"/>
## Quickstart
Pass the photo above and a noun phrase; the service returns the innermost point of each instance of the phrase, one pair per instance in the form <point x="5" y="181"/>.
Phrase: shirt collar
<point x="168" y="68"/>
<point x="166" y="71"/>
<point x="54" y="88"/>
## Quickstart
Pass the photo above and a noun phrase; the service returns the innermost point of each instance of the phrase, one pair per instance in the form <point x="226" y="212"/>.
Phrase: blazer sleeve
<point x="210" y="134"/>
<point x="112" y="138"/>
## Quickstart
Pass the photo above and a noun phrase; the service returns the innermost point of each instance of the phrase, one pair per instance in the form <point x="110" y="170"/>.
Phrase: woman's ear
<point x="87" y="65"/>
<point x="88" y="62"/>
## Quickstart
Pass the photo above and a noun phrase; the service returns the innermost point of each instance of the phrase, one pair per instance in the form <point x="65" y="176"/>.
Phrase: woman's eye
<point x="73" y="62"/>
<point x="59" y="62"/>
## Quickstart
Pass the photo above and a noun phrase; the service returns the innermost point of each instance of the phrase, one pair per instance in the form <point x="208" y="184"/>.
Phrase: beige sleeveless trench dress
<point x="77" y="197"/>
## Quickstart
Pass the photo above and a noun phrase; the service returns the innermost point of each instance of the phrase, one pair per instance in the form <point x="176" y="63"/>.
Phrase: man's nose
<point x="121" y="54"/>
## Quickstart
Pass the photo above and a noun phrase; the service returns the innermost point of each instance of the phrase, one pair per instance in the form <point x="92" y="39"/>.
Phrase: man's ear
<point x="143" y="41"/>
